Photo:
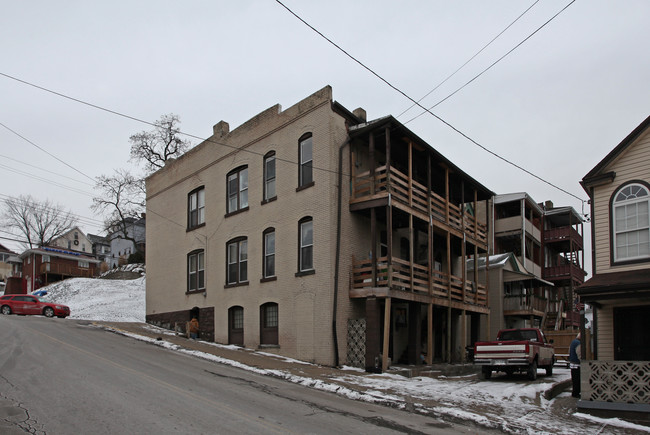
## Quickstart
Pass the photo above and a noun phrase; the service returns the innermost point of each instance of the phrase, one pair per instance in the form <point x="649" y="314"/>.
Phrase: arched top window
<point x="305" y="156"/>
<point x="237" y="189"/>
<point x="269" y="176"/>
<point x="631" y="223"/>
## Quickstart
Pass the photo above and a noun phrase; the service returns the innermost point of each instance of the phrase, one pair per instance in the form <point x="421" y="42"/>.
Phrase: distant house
<point x="73" y="240"/>
<point x="101" y="247"/>
<point x="42" y="266"/>
<point x="121" y="245"/>
<point x="619" y="290"/>
<point x="5" y="265"/>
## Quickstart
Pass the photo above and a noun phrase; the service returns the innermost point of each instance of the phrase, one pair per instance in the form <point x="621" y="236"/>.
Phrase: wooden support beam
<point x="387" y="323"/>
<point x="429" y="359"/>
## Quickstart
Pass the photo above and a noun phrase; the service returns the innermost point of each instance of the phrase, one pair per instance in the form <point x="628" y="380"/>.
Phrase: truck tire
<point x="486" y="373"/>
<point x="532" y="371"/>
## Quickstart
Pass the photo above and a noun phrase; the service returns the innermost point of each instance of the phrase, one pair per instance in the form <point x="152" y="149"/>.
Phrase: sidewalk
<point x="451" y="392"/>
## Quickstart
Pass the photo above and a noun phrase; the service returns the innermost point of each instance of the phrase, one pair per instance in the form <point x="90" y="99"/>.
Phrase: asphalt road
<point x="61" y="376"/>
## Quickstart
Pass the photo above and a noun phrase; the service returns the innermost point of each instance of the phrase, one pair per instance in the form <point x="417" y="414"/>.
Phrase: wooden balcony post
<point x="447" y="195"/>
<point x="387" y="322"/>
<point x="371" y="157"/>
<point x="429" y="358"/>
<point x="389" y="245"/>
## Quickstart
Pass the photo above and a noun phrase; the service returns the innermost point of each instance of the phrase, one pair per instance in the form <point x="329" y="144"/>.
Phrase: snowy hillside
<point x="101" y="299"/>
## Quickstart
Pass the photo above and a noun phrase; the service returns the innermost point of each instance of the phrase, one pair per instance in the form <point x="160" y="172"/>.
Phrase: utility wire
<point x="491" y="65"/>
<point x="153" y="124"/>
<point x="44" y="170"/>
<point x="395" y="88"/>
<point x="47" y="152"/>
<point x="470" y="59"/>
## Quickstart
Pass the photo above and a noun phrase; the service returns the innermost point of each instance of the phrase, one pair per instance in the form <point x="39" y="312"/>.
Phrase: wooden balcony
<point x="415" y="282"/>
<point x="564" y="272"/>
<point x="65" y="270"/>
<point x="517" y="305"/>
<point x="413" y="197"/>
<point x="564" y="234"/>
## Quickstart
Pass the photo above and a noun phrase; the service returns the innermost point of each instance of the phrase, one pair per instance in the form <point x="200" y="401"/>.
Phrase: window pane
<point x="271" y="316"/>
<point x="306" y="150"/>
<point x="307" y="233"/>
<point x="306" y="258"/>
<point x="306" y="161"/>
<point x="270" y="189"/>
<point x="238" y="318"/>
<point x="270" y="168"/>
<point x="269" y="266"/>
<point x="192" y="265"/>
<point x="201" y="279"/>
<point x="243" y="265"/>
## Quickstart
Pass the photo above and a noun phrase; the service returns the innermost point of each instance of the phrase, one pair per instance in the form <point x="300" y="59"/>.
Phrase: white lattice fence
<point x="616" y="381"/>
<point x="357" y="343"/>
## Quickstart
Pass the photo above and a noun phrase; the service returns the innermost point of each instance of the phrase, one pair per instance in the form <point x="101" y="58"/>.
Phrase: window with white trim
<point x="237" y="187"/>
<point x="631" y="223"/>
<point x="196" y="271"/>
<point x="269" y="253"/>
<point x="269" y="176"/>
<point x="196" y="208"/>
<point x="237" y="267"/>
<point x="306" y="176"/>
<point x="306" y="255"/>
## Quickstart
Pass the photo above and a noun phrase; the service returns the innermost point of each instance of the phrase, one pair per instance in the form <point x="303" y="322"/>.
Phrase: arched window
<point x="237" y="189"/>
<point x="306" y="245"/>
<point x="269" y="320"/>
<point x="631" y="223"/>
<point x="196" y="208"/>
<point x="269" y="176"/>
<point x="196" y="271"/>
<point x="305" y="174"/>
<point x="237" y="258"/>
<point x="268" y="266"/>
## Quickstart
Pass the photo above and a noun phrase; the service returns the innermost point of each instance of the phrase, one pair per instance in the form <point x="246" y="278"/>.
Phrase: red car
<point x="30" y="304"/>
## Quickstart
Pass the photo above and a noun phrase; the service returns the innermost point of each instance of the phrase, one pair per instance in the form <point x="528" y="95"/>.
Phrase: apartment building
<point x="315" y="234"/>
<point x="546" y="243"/>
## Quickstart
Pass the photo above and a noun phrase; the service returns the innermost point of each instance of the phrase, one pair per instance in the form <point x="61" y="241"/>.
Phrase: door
<point x="631" y="338"/>
<point x="269" y="324"/>
<point x="236" y="326"/>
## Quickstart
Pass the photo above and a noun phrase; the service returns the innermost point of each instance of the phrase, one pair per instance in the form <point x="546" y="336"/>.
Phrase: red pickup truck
<point x="521" y="350"/>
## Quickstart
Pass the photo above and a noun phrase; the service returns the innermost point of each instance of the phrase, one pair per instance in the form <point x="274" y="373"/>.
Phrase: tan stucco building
<point x="314" y="234"/>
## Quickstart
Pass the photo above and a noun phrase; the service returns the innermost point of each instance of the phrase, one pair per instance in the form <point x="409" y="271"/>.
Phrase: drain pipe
<point x="338" y="253"/>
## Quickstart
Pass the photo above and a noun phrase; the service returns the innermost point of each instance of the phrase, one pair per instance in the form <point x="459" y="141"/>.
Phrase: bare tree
<point x="122" y="195"/>
<point x="40" y="222"/>
<point x="154" y="148"/>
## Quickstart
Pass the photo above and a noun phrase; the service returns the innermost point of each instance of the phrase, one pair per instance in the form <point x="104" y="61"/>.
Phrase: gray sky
<point x="556" y="105"/>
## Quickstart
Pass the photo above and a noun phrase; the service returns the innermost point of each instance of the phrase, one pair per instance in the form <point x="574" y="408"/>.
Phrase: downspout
<point x="338" y="253"/>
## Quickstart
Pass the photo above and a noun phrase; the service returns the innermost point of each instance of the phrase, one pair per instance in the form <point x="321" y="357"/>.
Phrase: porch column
<point x="429" y="334"/>
<point x="373" y="247"/>
<point x="387" y="323"/>
<point x="373" y="335"/>
<point x="415" y="334"/>
<point x="371" y="157"/>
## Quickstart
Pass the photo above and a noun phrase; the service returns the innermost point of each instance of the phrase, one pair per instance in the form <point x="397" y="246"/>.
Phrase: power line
<point x="470" y="59"/>
<point x="491" y="65"/>
<point x="44" y="170"/>
<point x="47" y="152"/>
<point x="395" y="88"/>
<point x="35" y="177"/>
<point x="153" y="124"/>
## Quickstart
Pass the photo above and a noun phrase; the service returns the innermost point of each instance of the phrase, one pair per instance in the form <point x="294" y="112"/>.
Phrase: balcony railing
<point x="562" y="234"/>
<point x="65" y="270"/>
<point x="398" y="276"/>
<point x="524" y="303"/>
<point x="413" y="194"/>
<point x="564" y="271"/>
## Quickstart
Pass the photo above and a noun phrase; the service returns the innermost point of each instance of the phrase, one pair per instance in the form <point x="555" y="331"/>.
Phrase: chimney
<point x="548" y="205"/>
<point x="360" y="113"/>
<point x="221" y="129"/>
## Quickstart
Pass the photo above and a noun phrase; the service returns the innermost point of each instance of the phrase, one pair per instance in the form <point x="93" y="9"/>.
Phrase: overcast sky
<point x="556" y="105"/>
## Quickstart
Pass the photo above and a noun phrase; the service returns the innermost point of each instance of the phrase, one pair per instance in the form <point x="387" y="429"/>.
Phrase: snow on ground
<point x="101" y="299"/>
<point x="512" y="405"/>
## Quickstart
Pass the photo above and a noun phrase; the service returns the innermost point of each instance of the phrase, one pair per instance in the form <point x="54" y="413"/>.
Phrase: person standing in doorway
<point x="194" y="328"/>
<point x="574" y="364"/>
